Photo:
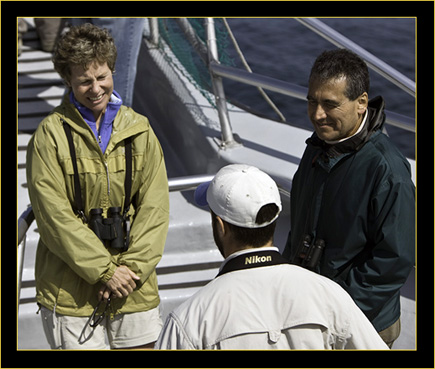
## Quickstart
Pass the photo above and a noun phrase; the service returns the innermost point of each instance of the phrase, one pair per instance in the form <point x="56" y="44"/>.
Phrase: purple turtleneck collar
<point x="106" y="123"/>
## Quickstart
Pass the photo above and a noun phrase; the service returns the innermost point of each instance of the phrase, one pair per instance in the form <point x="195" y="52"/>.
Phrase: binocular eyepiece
<point x="109" y="230"/>
<point x="309" y="253"/>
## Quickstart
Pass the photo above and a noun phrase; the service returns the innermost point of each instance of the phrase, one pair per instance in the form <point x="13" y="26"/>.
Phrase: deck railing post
<point x="218" y="88"/>
<point x="154" y="31"/>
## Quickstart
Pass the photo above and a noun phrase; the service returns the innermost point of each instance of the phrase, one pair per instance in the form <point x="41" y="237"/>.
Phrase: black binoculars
<point x="309" y="253"/>
<point x="109" y="230"/>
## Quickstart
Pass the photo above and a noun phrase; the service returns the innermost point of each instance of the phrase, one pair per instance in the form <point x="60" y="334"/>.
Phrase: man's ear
<point x="363" y="102"/>
<point x="221" y="226"/>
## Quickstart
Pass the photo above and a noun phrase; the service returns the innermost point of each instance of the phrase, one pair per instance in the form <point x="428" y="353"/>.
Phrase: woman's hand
<point x="121" y="284"/>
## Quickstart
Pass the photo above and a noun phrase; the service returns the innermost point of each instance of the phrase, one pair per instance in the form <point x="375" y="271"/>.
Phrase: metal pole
<point x="20" y="267"/>
<point x="218" y="88"/>
<point x="188" y="183"/>
<point x="290" y="89"/>
<point x="24" y="221"/>
<point x="193" y="38"/>
<point x="154" y="31"/>
<point x="372" y="61"/>
<point x="258" y="80"/>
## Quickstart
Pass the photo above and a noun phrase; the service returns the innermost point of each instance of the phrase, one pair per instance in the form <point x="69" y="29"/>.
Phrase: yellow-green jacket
<point x="71" y="262"/>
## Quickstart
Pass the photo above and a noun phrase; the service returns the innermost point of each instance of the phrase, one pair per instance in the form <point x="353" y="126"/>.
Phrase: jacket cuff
<point x="109" y="274"/>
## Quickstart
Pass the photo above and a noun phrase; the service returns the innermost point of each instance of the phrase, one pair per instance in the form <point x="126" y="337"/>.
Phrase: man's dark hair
<point x="256" y="237"/>
<point x="341" y="63"/>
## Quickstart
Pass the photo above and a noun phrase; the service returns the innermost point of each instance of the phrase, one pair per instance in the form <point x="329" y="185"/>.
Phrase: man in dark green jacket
<point x="353" y="194"/>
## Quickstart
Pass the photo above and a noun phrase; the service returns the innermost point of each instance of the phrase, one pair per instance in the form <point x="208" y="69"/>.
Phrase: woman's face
<point x="92" y="87"/>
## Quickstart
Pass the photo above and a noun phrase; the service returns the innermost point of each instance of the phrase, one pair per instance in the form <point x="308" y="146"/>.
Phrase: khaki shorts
<point x="125" y="330"/>
<point x="391" y="334"/>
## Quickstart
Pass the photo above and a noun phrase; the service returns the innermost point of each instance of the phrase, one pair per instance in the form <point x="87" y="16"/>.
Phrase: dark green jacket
<point x="359" y="198"/>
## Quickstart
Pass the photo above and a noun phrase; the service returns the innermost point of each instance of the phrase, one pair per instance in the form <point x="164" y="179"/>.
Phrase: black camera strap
<point x="127" y="186"/>
<point x="78" y="202"/>
<point x="77" y="189"/>
<point x="253" y="260"/>
<point x="128" y="172"/>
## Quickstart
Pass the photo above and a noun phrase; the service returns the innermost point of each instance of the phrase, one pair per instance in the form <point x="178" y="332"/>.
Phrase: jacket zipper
<point x="108" y="179"/>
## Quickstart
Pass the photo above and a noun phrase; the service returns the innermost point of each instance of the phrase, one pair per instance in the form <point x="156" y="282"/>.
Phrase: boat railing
<point x="296" y="91"/>
<point x="219" y="71"/>
<point x="372" y="61"/>
<point x="186" y="183"/>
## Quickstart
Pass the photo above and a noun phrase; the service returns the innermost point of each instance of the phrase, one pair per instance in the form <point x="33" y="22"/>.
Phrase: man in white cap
<point x="258" y="300"/>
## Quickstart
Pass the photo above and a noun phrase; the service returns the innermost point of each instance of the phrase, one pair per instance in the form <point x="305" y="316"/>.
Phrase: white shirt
<point x="273" y="307"/>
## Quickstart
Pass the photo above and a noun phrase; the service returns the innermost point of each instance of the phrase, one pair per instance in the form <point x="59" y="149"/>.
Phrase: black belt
<point x="253" y="260"/>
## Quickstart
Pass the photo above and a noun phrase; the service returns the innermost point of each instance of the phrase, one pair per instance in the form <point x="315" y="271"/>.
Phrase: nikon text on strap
<point x="253" y="260"/>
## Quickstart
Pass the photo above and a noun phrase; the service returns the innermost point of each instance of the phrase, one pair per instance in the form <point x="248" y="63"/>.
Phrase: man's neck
<point x="232" y="248"/>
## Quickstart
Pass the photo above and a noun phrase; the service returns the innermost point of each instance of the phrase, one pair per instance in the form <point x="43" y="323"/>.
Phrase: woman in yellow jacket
<point x="85" y="286"/>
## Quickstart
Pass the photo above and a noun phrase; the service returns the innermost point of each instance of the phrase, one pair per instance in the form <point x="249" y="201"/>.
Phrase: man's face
<point x="332" y="114"/>
<point x="92" y="87"/>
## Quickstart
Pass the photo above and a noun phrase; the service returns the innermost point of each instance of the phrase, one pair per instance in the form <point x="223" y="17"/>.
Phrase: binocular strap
<point x="78" y="202"/>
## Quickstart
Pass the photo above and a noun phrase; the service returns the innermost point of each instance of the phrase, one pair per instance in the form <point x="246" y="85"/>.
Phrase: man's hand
<point x="121" y="284"/>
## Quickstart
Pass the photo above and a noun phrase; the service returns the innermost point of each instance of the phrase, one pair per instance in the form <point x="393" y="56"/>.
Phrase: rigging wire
<point x="248" y="68"/>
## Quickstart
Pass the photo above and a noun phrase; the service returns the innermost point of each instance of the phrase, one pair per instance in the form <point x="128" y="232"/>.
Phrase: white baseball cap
<point x="237" y="193"/>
